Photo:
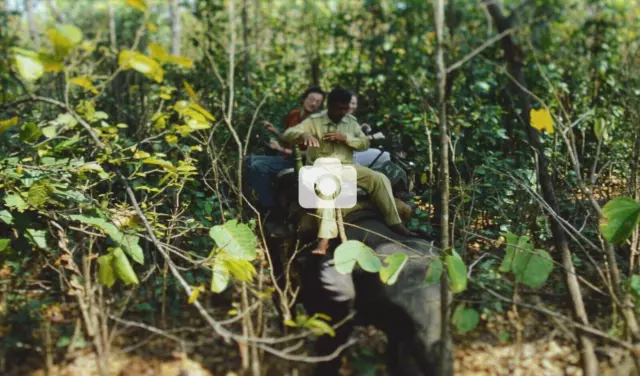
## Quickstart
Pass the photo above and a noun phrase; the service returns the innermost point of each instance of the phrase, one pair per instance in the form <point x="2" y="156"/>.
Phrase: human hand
<point x="275" y="145"/>
<point x="309" y="140"/>
<point x="335" y="136"/>
<point x="270" y="127"/>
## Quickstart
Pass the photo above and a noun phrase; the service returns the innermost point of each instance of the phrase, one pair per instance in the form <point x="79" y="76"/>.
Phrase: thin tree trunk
<point x="112" y="27"/>
<point x="514" y="57"/>
<point x="445" y="365"/>
<point x="33" y="30"/>
<point x="174" y="10"/>
<point x="245" y="42"/>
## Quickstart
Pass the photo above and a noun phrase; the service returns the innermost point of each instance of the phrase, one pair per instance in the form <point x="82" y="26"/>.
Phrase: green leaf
<point x="619" y="218"/>
<point x="128" y="242"/>
<point x="457" y="271"/>
<point x="29" y="67"/>
<point x="635" y="284"/>
<point x="507" y="261"/>
<point x="106" y="275"/>
<point x="434" y="271"/>
<point x="123" y="268"/>
<point x="538" y="269"/>
<point x="39" y="193"/>
<point x="320" y="327"/>
<point x="236" y="239"/>
<point x="522" y="254"/>
<point x="220" y="277"/>
<point x="4" y="244"/>
<point x="29" y="132"/>
<point x="465" y="319"/>
<point x="5" y="216"/>
<point x="395" y="263"/>
<point x="38" y="238"/>
<point x="15" y="201"/>
<point x="352" y="251"/>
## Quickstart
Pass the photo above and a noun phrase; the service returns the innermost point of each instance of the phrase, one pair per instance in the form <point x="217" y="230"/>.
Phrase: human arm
<point x="356" y="139"/>
<point x="301" y="133"/>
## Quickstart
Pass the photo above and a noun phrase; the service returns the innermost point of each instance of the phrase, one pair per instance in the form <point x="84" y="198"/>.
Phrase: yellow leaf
<point x="141" y="154"/>
<point x="143" y="64"/>
<point x="50" y="63"/>
<point x="541" y="120"/>
<point x="196" y="148"/>
<point x="201" y="110"/>
<point x="423" y="178"/>
<point x="195" y="292"/>
<point x="160" y="162"/>
<point x="171" y="139"/>
<point x="157" y="51"/>
<point x="64" y="37"/>
<point x="6" y="124"/>
<point x="180" y="60"/>
<point x="140" y="5"/>
<point x="190" y="91"/>
<point x="151" y="27"/>
<point x="84" y="82"/>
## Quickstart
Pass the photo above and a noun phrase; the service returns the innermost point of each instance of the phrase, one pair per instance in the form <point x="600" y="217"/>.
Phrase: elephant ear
<point x="340" y="284"/>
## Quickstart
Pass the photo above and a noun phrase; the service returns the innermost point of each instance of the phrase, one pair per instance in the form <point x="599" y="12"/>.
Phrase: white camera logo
<point x="327" y="184"/>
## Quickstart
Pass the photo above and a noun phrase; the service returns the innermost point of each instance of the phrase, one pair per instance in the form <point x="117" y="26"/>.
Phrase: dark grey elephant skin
<point x="407" y="311"/>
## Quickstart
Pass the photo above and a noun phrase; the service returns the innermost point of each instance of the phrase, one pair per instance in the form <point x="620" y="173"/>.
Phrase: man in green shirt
<point x="336" y="134"/>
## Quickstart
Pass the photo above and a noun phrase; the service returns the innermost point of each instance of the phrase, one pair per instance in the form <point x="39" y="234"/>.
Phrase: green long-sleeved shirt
<point x="319" y="125"/>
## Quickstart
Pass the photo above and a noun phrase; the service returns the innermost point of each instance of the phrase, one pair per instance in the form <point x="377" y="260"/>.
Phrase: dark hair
<point x="339" y="95"/>
<point x="310" y="90"/>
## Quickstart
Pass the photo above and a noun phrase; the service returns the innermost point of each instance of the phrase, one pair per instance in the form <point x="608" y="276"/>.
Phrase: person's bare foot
<point x="321" y="247"/>
<point x="400" y="229"/>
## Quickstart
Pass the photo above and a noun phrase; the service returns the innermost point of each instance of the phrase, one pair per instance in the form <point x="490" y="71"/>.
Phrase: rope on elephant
<point x="343" y="235"/>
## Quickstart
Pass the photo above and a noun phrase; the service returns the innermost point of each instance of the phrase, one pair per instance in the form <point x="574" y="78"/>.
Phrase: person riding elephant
<point x="336" y="134"/>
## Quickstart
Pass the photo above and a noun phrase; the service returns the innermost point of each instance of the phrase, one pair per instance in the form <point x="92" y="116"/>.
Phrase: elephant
<point x="408" y="311"/>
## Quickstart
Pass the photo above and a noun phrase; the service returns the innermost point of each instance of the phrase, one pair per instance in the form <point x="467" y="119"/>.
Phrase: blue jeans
<point x="260" y="172"/>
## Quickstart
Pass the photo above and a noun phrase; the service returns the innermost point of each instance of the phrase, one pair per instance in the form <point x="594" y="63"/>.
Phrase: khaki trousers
<point x="379" y="188"/>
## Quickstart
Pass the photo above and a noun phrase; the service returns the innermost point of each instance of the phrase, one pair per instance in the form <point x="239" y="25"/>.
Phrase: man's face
<point x="353" y="105"/>
<point x="336" y="111"/>
<point x="312" y="102"/>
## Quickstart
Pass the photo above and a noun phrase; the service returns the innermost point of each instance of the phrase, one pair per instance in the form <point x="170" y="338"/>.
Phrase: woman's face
<point x="312" y="102"/>
<point x="353" y="105"/>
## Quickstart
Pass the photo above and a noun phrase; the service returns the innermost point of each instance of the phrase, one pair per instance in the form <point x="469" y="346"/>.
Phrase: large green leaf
<point x="128" y="242"/>
<point x="619" y="218"/>
<point x="465" y="319"/>
<point x="123" y="268"/>
<point x="457" y="271"/>
<point x="352" y="251"/>
<point x="538" y="268"/>
<point x="106" y="275"/>
<point x="4" y="244"/>
<point x="507" y="261"/>
<point x="15" y="201"/>
<point x="38" y="238"/>
<point x="395" y="262"/>
<point x="522" y="255"/>
<point x="220" y="277"/>
<point x="39" y="193"/>
<point x="29" y="132"/>
<point x="236" y="239"/>
<point x="29" y="66"/>
<point x="434" y="271"/>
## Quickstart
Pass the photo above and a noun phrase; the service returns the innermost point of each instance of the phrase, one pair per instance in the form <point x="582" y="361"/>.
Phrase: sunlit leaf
<point x="457" y="272"/>
<point x="180" y="60"/>
<point x="123" y="267"/>
<point x="4" y="244"/>
<point x="15" y="201"/>
<point x="8" y="123"/>
<point x="541" y="120"/>
<point x="189" y="90"/>
<point x="126" y="241"/>
<point x="84" y="82"/>
<point x="38" y="238"/>
<point x="389" y="273"/>
<point x="620" y="217"/>
<point x="141" y="63"/>
<point x="140" y="5"/>
<point x="106" y="274"/>
<point x="141" y="154"/>
<point x="236" y="239"/>
<point x="29" y="132"/>
<point x="320" y="327"/>
<point x="220" y="277"/>
<point x="160" y="162"/>
<point x="352" y="251"/>
<point x="201" y="110"/>
<point x="171" y="139"/>
<point x="5" y="216"/>
<point x="195" y="293"/>
<point x="29" y="67"/>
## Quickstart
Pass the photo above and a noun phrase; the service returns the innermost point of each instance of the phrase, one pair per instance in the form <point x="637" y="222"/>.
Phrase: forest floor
<point x="544" y="349"/>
